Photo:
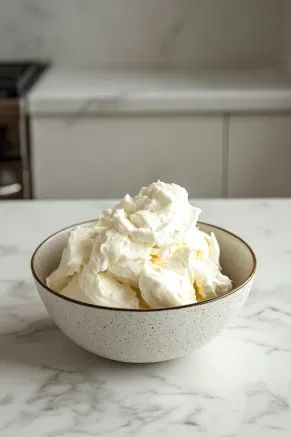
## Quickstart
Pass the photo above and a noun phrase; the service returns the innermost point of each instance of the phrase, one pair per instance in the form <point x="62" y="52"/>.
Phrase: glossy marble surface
<point x="80" y="92"/>
<point x="237" y="386"/>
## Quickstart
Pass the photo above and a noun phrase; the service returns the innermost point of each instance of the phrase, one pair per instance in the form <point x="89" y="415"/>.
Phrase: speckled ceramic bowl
<point x="142" y="336"/>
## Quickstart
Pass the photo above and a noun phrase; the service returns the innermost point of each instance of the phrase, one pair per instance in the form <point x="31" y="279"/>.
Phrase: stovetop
<point x="16" y="78"/>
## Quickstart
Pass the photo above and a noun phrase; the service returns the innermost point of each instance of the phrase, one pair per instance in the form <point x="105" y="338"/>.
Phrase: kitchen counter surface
<point x="83" y="92"/>
<point x="239" y="385"/>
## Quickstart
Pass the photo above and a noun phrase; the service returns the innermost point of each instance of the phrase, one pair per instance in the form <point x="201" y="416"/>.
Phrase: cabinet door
<point x="259" y="156"/>
<point x="108" y="157"/>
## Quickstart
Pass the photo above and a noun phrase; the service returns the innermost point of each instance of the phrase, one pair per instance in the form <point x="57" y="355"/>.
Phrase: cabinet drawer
<point x="107" y="157"/>
<point x="259" y="156"/>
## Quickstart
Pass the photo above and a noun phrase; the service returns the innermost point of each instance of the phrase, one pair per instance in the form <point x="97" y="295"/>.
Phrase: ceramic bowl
<point x="142" y="336"/>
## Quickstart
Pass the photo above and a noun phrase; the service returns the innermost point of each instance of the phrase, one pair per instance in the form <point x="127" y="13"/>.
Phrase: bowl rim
<point x="147" y="310"/>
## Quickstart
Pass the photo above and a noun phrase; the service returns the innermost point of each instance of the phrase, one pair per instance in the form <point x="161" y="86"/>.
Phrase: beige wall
<point x="216" y="33"/>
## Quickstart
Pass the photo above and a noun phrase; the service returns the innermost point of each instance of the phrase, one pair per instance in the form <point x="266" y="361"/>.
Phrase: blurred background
<point x="101" y="97"/>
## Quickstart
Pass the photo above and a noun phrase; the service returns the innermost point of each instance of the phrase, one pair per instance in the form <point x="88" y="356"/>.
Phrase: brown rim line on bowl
<point x="234" y="290"/>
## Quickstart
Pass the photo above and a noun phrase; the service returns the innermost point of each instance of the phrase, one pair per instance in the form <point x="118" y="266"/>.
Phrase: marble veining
<point x="74" y="93"/>
<point x="238" y="385"/>
<point x="91" y="32"/>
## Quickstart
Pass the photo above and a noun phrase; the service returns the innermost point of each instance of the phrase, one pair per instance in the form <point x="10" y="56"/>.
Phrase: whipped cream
<point x="145" y="252"/>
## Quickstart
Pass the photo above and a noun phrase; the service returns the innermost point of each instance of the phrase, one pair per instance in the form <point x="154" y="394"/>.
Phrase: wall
<point x="286" y="53"/>
<point x="228" y="33"/>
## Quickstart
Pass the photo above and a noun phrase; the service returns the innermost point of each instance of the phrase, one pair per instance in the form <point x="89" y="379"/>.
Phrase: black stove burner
<point x="17" y="77"/>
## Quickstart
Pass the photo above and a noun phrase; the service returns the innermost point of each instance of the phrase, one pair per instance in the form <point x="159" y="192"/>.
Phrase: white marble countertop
<point x="239" y="385"/>
<point x="82" y="92"/>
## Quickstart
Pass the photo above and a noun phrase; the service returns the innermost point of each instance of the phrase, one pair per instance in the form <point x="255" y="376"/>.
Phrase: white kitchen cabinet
<point x="108" y="156"/>
<point x="259" y="156"/>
